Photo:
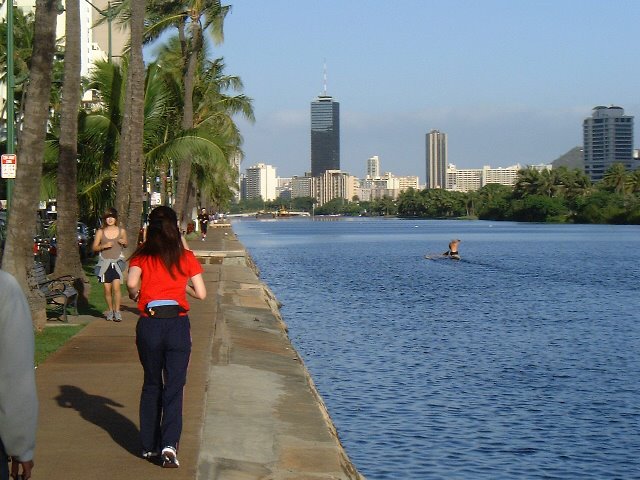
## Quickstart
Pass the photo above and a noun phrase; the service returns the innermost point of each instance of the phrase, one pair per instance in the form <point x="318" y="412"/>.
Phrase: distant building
<point x="608" y="139"/>
<point x="283" y="188"/>
<point x="301" y="186"/>
<point x="260" y="181"/>
<point x="333" y="184"/>
<point x="436" y="146"/>
<point x="373" y="167"/>
<point x="325" y="135"/>
<point x="472" y="179"/>
<point x="388" y="185"/>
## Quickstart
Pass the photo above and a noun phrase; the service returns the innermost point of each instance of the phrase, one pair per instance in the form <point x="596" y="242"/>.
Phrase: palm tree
<point x="633" y="182"/>
<point x="192" y="18"/>
<point x="18" y="256"/>
<point x="529" y="182"/>
<point x="68" y="260"/>
<point x="130" y="158"/>
<point x="615" y="178"/>
<point x="212" y="119"/>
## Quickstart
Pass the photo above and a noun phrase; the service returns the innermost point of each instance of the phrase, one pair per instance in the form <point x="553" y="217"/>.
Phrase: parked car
<point x="85" y="241"/>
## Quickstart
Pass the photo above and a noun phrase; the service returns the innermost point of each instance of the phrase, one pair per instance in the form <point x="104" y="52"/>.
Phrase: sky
<point x="508" y="81"/>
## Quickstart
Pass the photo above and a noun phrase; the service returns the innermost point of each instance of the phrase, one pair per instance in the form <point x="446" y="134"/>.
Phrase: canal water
<point x="521" y="360"/>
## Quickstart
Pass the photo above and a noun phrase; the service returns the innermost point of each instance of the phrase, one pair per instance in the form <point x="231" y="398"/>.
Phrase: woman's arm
<point x="133" y="282"/>
<point x="198" y="290"/>
<point x="123" y="238"/>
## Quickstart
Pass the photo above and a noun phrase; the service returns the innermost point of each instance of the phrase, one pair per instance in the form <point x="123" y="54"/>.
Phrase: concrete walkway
<point x="250" y="411"/>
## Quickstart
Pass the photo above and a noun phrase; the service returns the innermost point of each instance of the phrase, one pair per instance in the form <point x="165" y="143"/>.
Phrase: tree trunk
<point x="184" y="169"/>
<point x="68" y="261"/>
<point x="18" y="254"/>
<point x="131" y="154"/>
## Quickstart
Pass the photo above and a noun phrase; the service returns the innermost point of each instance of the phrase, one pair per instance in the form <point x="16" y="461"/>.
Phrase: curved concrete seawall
<point x="263" y="416"/>
<point x="251" y="411"/>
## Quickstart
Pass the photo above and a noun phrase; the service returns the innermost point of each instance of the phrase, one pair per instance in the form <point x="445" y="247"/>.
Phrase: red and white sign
<point x="9" y="164"/>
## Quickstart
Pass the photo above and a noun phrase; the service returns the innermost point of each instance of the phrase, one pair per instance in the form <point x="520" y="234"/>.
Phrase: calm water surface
<point x="522" y="360"/>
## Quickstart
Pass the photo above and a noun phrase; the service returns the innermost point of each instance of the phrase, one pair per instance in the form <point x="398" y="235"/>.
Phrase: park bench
<point x="57" y="291"/>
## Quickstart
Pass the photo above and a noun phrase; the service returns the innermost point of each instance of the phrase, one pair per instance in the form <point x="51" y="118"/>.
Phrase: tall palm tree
<point x="68" y="259"/>
<point x="130" y="158"/>
<point x="18" y="256"/>
<point x="192" y="18"/>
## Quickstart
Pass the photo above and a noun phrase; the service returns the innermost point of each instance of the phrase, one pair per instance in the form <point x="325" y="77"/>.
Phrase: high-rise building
<point x="436" y="159"/>
<point x="261" y="182"/>
<point x="333" y="184"/>
<point x="608" y="139"/>
<point x="373" y="167"/>
<point x="325" y="135"/>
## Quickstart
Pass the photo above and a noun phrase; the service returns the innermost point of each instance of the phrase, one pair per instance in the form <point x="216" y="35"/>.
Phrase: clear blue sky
<point x="509" y="81"/>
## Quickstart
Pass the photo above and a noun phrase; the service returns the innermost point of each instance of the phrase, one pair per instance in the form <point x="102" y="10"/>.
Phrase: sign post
<point x="9" y="166"/>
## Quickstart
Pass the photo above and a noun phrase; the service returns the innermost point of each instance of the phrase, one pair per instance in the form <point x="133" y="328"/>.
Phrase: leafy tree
<point x="493" y="202"/>
<point x="538" y="208"/>
<point x="304" y="204"/>
<point x="615" y="179"/>
<point x="192" y="18"/>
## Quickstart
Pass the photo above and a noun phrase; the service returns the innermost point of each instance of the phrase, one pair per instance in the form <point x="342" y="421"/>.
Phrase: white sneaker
<point x="169" y="458"/>
<point x="117" y="316"/>
<point x="109" y="316"/>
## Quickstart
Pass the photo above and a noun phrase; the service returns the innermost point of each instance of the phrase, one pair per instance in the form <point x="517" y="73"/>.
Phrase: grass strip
<point x="52" y="338"/>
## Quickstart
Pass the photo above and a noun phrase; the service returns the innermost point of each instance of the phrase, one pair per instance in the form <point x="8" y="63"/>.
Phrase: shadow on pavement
<point x="97" y="410"/>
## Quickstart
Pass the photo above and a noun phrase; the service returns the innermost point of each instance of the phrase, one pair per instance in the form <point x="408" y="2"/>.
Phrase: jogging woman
<point x="160" y="271"/>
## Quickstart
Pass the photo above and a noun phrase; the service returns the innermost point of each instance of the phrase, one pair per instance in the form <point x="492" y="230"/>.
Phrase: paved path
<point x="250" y="410"/>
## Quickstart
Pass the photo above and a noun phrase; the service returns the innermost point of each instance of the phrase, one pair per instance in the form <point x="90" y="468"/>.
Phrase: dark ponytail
<point x="163" y="239"/>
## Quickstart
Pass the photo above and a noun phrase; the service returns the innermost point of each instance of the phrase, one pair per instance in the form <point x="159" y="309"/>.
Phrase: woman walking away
<point x="109" y="242"/>
<point x="159" y="274"/>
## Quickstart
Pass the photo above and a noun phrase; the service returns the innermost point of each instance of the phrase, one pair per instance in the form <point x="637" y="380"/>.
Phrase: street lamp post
<point x="108" y="14"/>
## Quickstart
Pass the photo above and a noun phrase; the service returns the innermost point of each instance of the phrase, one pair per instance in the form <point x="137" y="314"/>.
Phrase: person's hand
<point x="107" y="245"/>
<point x="134" y="295"/>
<point x="26" y="469"/>
<point x="122" y="242"/>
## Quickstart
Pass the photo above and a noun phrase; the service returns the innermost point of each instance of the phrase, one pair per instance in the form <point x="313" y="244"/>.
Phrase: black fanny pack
<point x="164" y="311"/>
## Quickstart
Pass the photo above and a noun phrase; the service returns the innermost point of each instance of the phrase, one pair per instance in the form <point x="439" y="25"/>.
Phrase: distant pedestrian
<point x="160" y="271"/>
<point x="110" y="242"/>
<point x="203" y="220"/>
<point x="18" y="397"/>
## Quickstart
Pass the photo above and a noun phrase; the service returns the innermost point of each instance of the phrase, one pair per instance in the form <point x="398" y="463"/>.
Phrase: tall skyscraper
<point x="608" y="139"/>
<point x="325" y="135"/>
<point x="436" y="159"/>
<point x="373" y="167"/>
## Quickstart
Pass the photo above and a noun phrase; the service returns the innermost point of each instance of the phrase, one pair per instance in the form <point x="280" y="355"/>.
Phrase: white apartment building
<point x="388" y="185"/>
<point x="472" y="179"/>
<point x="283" y="187"/>
<point x="94" y="43"/>
<point x="333" y="184"/>
<point x="503" y="176"/>
<point x="260" y="181"/>
<point x="407" y="182"/>
<point x="373" y="167"/>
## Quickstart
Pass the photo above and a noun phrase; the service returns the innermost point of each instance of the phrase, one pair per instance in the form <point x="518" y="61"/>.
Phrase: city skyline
<point x="510" y="82"/>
